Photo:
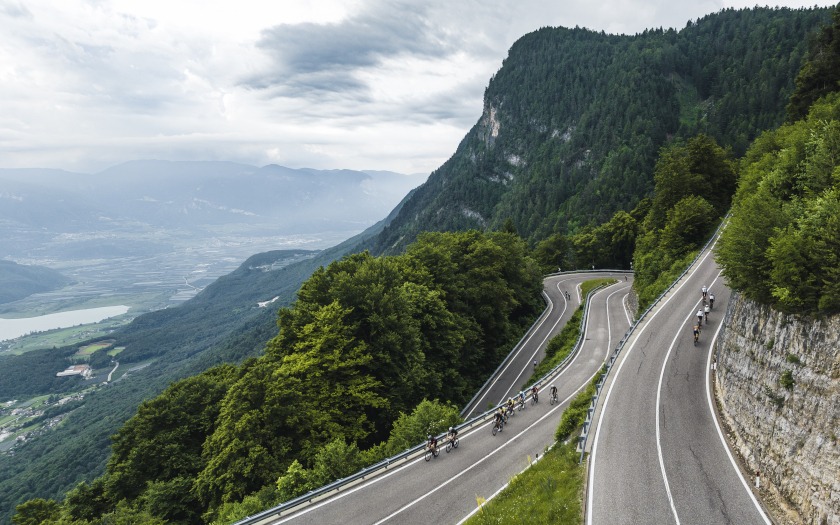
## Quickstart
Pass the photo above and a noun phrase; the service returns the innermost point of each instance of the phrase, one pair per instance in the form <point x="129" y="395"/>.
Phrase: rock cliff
<point x="778" y="390"/>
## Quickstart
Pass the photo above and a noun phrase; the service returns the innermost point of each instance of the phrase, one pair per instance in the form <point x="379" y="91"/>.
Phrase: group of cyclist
<point x="703" y="312"/>
<point x="505" y="410"/>
<point x="500" y="417"/>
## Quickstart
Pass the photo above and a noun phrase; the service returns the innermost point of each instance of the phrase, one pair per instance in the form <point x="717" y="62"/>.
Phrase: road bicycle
<point x="431" y="452"/>
<point x="498" y="426"/>
<point x="452" y="443"/>
<point x="535" y="398"/>
<point x="696" y="335"/>
<point x="521" y="403"/>
<point x="552" y="398"/>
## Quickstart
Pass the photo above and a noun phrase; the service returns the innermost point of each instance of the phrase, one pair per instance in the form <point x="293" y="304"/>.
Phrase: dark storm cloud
<point x="326" y="57"/>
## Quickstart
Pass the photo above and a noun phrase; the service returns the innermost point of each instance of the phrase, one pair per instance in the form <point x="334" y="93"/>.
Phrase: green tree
<point x="36" y="511"/>
<point x="429" y="417"/>
<point x="821" y="73"/>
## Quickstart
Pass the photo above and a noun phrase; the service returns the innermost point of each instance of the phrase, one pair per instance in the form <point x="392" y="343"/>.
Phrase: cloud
<point x="310" y="58"/>
<point x="15" y="10"/>
<point x="361" y="84"/>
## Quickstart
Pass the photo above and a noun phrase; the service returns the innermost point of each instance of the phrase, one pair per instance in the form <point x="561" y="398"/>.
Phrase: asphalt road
<point x="658" y="455"/>
<point x="445" y="489"/>
<point x="512" y="374"/>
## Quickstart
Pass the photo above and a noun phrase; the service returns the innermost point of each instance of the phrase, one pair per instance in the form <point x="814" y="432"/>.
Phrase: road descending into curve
<point x="518" y="367"/>
<point x="445" y="489"/>
<point x="658" y="455"/>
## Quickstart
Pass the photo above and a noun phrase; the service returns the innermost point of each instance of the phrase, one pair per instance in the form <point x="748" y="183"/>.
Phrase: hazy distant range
<point x="172" y="227"/>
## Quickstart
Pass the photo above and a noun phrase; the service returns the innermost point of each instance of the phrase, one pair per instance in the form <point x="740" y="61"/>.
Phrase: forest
<point x="369" y="346"/>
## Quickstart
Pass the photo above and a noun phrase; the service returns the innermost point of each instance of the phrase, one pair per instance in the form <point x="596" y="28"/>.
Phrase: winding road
<point x="446" y="489"/>
<point x="658" y="454"/>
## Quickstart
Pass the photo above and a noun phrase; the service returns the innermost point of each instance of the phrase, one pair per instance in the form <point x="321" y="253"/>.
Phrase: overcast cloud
<point x="359" y="84"/>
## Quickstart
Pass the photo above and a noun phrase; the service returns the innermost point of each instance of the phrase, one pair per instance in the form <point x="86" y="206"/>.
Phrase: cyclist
<point x="453" y="434"/>
<point x="699" y="316"/>
<point x="704" y="291"/>
<point x="535" y="364"/>
<point x="534" y="392"/>
<point x="711" y="300"/>
<point x="706" y="313"/>
<point x="522" y="399"/>
<point x="696" y="334"/>
<point x="553" y="392"/>
<point x="432" y="443"/>
<point x="499" y="419"/>
<point x="510" y="405"/>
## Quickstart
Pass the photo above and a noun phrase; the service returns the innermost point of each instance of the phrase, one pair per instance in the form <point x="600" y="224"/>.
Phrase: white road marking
<point x="720" y="432"/>
<point x="593" y="455"/>
<point x="486" y="457"/>
<point x="531" y="359"/>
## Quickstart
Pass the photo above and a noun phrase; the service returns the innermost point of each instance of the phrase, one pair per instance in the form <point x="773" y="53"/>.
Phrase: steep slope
<point x="574" y="119"/>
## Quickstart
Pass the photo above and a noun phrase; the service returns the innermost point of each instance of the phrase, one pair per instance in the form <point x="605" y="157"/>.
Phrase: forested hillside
<point x="367" y="341"/>
<point x="574" y="119"/>
<point x="782" y="245"/>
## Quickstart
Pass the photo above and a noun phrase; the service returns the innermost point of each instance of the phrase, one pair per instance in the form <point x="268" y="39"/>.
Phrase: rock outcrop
<point x="778" y="389"/>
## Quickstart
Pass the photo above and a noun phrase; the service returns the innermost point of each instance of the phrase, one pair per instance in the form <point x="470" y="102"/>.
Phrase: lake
<point x="13" y="328"/>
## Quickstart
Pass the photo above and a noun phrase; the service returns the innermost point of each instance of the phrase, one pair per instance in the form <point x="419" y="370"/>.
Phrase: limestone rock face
<point x="778" y="387"/>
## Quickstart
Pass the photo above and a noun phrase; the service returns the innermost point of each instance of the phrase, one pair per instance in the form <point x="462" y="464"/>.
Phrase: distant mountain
<point x="202" y="198"/>
<point x="18" y="281"/>
<point x="574" y="119"/>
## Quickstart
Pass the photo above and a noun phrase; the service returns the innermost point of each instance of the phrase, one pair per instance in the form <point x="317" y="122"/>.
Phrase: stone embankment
<point x="778" y="389"/>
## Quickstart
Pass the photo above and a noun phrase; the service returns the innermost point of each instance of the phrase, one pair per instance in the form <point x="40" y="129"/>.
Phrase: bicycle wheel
<point x="455" y="442"/>
<point x="448" y="446"/>
<point x="428" y="455"/>
<point x="551" y="400"/>
<point x="436" y="451"/>
<point x="495" y="429"/>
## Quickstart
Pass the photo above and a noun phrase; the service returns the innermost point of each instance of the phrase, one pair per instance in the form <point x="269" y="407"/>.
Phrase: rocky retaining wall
<point x="778" y="388"/>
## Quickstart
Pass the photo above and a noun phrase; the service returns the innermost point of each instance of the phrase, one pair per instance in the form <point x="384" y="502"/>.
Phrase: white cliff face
<point x="778" y="385"/>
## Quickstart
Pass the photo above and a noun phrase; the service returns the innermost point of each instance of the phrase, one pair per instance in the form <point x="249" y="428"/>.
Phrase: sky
<point x="327" y="84"/>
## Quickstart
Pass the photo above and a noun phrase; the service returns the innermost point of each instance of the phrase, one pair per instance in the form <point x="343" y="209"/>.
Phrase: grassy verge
<point x="548" y="492"/>
<point x="575" y="413"/>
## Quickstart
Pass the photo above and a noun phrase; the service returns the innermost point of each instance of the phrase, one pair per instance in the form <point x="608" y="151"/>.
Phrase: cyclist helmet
<point x="429" y="437"/>
<point x="450" y="429"/>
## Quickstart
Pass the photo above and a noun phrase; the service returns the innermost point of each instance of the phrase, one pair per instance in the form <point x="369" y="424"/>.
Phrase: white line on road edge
<point x="591" y="482"/>
<point x="369" y="483"/>
<point x="543" y="343"/>
<point x="720" y="432"/>
<point x="609" y="345"/>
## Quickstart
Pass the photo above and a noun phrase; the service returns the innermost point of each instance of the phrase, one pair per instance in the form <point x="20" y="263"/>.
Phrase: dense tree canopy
<point x="782" y="245"/>
<point x="821" y="73"/>
<point x="694" y="184"/>
<point x="574" y="120"/>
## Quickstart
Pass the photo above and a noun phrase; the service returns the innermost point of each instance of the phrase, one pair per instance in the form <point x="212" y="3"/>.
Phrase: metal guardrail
<point x="584" y="435"/>
<point x="336" y="486"/>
